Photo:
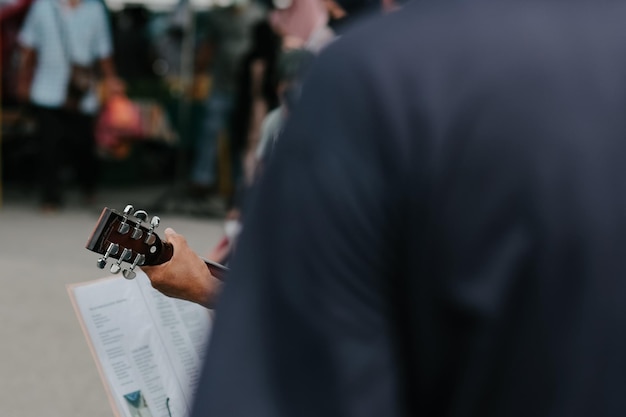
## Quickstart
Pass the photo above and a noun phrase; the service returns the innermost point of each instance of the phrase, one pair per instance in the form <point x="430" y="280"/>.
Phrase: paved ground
<point x="46" y="368"/>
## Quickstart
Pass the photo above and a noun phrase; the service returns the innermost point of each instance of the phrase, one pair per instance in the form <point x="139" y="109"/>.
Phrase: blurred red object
<point x="221" y="251"/>
<point x="118" y="125"/>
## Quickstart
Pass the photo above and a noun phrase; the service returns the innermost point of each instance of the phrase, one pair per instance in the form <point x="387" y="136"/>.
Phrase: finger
<point x="171" y="236"/>
<point x="174" y="238"/>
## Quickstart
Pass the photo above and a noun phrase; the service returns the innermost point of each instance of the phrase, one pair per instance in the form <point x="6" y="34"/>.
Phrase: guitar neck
<point x="219" y="271"/>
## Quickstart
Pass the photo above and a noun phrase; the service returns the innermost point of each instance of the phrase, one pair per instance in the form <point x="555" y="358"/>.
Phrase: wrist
<point x="210" y="292"/>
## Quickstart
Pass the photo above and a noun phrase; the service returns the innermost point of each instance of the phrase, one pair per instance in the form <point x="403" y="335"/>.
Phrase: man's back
<point x="452" y="205"/>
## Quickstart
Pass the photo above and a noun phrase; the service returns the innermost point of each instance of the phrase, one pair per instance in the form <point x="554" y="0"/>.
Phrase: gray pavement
<point x="46" y="368"/>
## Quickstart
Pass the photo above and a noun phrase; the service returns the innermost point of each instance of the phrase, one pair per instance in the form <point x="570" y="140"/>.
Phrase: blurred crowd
<point x="84" y="86"/>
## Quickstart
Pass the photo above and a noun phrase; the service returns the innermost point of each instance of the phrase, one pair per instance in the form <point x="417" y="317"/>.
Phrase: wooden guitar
<point x="125" y="238"/>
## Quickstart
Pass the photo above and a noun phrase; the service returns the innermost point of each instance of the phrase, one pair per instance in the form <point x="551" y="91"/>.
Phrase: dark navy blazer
<point x="442" y="231"/>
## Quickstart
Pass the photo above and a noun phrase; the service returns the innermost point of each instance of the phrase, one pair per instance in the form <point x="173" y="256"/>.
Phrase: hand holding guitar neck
<point x="123" y="238"/>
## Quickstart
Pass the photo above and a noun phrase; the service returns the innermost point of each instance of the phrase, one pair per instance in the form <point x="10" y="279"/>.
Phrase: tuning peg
<point x="141" y="215"/>
<point x="129" y="273"/>
<point x="124" y="227"/>
<point x="125" y="256"/>
<point x="111" y="250"/>
<point x="154" y="223"/>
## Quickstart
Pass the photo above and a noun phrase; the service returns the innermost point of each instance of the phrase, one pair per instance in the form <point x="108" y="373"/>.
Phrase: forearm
<point x="210" y="293"/>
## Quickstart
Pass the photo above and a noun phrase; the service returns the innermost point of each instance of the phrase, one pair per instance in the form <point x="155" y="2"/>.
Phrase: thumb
<point x="169" y="232"/>
<point x="174" y="238"/>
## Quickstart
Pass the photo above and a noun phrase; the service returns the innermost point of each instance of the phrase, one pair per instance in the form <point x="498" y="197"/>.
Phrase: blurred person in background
<point x="228" y="38"/>
<point x="313" y="24"/>
<point x="301" y="23"/>
<point x="257" y="93"/>
<point x="256" y="96"/>
<point x="66" y="47"/>
<point x="451" y="226"/>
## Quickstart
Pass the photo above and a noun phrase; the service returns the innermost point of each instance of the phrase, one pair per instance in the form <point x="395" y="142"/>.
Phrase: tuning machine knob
<point x="129" y="273"/>
<point x="125" y="256"/>
<point x="111" y="250"/>
<point x="150" y="237"/>
<point x="140" y="215"/>
<point x="124" y="226"/>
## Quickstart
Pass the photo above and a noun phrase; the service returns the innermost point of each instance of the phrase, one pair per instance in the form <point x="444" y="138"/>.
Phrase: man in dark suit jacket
<point x="442" y="231"/>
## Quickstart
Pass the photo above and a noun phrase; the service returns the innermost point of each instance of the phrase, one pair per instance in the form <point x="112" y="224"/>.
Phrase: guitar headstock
<point x="125" y="238"/>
